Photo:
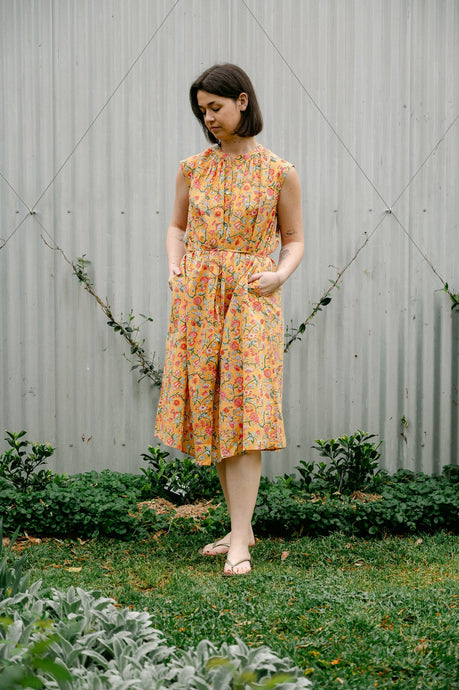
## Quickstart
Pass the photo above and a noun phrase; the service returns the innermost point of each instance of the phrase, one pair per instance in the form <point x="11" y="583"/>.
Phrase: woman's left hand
<point x="267" y="282"/>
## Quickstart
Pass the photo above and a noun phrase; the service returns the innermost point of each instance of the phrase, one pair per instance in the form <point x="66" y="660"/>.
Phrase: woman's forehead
<point x="206" y="98"/>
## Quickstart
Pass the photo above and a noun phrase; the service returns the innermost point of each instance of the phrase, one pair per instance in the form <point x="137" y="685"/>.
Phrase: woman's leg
<point x="220" y="546"/>
<point x="221" y="471"/>
<point x="242" y="474"/>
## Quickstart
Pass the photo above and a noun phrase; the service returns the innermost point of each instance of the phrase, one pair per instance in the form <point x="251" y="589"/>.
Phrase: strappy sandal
<point x="234" y="565"/>
<point x="216" y="545"/>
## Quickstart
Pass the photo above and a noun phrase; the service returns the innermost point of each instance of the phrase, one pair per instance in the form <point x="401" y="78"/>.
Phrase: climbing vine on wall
<point x="146" y="366"/>
<point x="127" y="328"/>
<point x="454" y="297"/>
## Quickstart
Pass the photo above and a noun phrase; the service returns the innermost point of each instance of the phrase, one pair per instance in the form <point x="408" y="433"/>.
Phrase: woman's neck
<point x="238" y="145"/>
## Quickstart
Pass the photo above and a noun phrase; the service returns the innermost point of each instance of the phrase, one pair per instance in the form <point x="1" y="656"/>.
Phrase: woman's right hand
<point x="175" y="241"/>
<point x="174" y="270"/>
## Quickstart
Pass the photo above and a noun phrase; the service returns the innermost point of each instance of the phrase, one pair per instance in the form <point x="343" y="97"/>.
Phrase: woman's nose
<point x="209" y="116"/>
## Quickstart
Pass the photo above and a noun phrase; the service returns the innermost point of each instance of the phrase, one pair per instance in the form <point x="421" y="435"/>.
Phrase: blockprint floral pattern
<point x="222" y="386"/>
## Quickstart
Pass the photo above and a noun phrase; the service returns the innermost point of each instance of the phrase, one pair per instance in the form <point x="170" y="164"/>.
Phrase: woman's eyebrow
<point x="206" y="105"/>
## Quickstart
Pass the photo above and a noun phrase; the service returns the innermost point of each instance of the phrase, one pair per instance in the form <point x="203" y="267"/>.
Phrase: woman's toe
<point x="242" y="567"/>
<point x="216" y="548"/>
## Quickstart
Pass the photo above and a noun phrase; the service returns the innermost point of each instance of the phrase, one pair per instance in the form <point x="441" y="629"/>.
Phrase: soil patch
<point x="162" y="506"/>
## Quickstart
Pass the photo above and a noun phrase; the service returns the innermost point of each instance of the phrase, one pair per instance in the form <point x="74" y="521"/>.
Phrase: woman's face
<point x="222" y="116"/>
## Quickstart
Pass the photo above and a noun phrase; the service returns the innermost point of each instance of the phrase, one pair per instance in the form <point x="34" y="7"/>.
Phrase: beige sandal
<point x="214" y="546"/>
<point x="231" y="573"/>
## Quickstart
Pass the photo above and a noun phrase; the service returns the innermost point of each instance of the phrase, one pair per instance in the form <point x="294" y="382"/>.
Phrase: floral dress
<point x="222" y="386"/>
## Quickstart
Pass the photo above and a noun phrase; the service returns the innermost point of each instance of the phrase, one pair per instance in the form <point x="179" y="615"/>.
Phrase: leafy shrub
<point x="106" y="503"/>
<point x="306" y="470"/>
<point x="85" y="505"/>
<point x="421" y="503"/>
<point x="19" y="467"/>
<point x="451" y="473"/>
<point x="352" y="462"/>
<point x="181" y="481"/>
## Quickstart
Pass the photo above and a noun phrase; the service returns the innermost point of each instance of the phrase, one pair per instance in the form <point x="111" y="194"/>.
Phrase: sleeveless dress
<point x="222" y="386"/>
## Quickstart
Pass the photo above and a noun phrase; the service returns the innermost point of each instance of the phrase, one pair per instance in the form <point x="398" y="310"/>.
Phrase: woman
<point x="222" y="388"/>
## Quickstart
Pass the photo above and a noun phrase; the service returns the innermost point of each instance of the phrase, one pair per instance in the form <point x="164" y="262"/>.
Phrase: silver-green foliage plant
<point x="99" y="646"/>
<point x="22" y="654"/>
<point x="78" y="640"/>
<point x="12" y="578"/>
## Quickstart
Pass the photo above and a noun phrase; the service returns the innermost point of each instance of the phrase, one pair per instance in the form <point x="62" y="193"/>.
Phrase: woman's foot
<point x="238" y="560"/>
<point x="242" y="567"/>
<point x="216" y="548"/>
<point x="222" y="546"/>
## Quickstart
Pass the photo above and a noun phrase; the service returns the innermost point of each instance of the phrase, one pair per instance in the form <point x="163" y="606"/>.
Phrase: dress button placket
<point x="227" y="195"/>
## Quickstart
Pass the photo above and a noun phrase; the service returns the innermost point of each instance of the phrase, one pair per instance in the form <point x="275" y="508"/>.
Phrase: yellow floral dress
<point x="222" y="385"/>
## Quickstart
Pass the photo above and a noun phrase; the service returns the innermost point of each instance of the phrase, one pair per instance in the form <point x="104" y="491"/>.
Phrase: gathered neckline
<point x="236" y="156"/>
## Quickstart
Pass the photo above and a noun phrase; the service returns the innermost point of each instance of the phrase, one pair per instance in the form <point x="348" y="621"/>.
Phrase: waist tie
<point x="217" y="252"/>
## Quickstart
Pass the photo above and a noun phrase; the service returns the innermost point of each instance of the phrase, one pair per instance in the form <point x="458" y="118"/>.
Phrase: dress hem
<point x="242" y="451"/>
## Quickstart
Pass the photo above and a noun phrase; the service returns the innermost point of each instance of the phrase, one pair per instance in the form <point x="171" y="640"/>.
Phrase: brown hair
<point x="228" y="81"/>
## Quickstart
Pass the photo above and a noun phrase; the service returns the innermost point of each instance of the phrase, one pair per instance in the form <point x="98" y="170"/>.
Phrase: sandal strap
<point x="234" y="565"/>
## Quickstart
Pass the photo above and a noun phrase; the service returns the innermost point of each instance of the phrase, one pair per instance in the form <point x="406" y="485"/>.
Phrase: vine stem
<point x="147" y="367"/>
<point x="318" y="307"/>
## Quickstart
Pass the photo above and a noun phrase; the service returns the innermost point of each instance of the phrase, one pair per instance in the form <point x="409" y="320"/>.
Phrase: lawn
<point x="352" y="613"/>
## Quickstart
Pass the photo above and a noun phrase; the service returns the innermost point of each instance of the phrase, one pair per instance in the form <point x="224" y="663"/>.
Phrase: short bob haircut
<point x="228" y="81"/>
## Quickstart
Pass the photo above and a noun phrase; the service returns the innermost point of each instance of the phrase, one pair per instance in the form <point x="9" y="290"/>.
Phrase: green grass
<point x="352" y="613"/>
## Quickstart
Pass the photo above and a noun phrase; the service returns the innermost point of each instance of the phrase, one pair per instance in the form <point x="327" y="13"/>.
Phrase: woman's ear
<point x="243" y="101"/>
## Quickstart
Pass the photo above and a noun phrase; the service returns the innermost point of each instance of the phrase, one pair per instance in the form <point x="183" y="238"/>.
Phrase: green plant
<point x="18" y="466"/>
<point x="179" y="480"/>
<point x="12" y="579"/>
<point x="319" y="499"/>
<point x="352" y="461"/>
<point x="127" y="328"/>
<point x="451" y="473"/>
<point x="239" y="667"/>
<point x="406" y="503"/>
<point x="293" y="333"/>
<point x="79" y="637"/>
<point x="454" y="297"/>
<point x="31" y="665"/>
<point x="14" y="587"/>
<point x="306" y="470"/>
<point x="84" y="505"/>
<point x="155" y="473"/>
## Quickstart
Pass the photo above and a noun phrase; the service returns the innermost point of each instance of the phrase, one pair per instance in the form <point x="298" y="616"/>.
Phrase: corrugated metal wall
<point x="362" y="95"/>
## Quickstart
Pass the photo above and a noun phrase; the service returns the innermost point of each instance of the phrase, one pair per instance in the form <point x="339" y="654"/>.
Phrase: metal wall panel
<point x="362" y="95"/>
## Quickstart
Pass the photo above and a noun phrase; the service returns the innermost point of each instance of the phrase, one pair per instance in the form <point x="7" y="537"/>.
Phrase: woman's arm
<point x="290" y="222"/>
<point x="175" y="241"/>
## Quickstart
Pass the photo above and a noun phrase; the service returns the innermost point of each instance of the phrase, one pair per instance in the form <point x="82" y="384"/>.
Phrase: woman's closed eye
<point x="214" y="110"/>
